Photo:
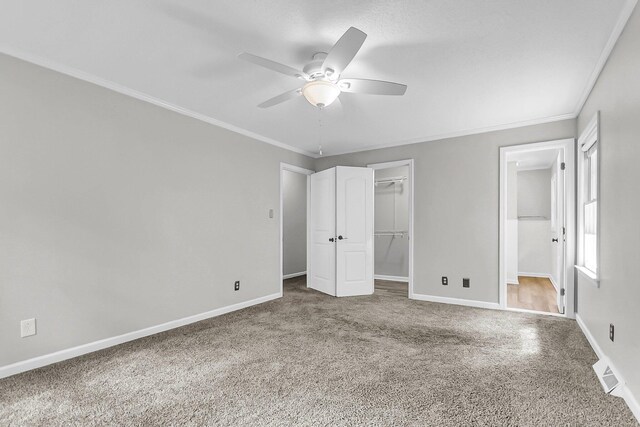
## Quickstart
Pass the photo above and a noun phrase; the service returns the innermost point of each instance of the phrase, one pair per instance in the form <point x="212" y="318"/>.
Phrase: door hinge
<point x="562" y="166"/>
<point x="562" y="291"/>
<point x="564" y="231"/>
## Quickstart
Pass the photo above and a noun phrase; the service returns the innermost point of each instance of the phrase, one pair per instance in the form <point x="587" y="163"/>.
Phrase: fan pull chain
<point x="319" y="132"/>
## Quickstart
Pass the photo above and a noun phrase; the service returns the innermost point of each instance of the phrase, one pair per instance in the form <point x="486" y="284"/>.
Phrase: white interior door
<point x="561" y="233"/>
<point x="354" y="228"/>
<point x="321" y="257"/>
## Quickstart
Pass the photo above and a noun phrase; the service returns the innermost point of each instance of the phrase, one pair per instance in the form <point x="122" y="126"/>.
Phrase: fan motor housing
<point x="314" y="68"/>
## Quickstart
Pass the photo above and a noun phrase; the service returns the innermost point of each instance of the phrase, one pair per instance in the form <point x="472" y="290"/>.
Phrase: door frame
<point x="568" y="147"/>
<point x="387" y="165"/>
<point x="302" y="171"/>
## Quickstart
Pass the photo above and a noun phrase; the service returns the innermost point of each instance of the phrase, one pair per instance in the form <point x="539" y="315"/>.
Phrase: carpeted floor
<point x="310" y="359"/>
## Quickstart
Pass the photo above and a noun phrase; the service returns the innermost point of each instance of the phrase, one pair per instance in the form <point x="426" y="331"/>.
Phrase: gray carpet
<point x="309" y="359"/>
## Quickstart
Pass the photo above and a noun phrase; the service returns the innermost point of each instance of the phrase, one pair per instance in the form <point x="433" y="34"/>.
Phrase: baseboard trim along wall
<point x="457" y="301"/>
<point x="292" y="275"/>
<point x="391" y="278"/>
<point x="622" y="389"/>
<point x="59" y="356"/>
<point x="542" y="275"/>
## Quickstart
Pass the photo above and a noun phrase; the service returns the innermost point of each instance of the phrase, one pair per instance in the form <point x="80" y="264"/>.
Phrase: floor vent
<point x="607" y="378"/>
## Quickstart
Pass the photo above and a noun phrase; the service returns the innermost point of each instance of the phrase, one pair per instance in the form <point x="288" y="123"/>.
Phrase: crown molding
<point x="468" y="132"/>
<point x="624" y="16"/>
<point x="124" y="90"/>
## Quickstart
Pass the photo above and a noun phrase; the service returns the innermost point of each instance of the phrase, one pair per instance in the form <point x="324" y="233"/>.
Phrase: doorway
<point x="393" y="227"/>
<point x="537" y="227"/>
<point x="294" y="191"/>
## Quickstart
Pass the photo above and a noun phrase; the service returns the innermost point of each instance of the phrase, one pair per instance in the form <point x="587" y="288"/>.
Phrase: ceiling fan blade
<point x="373" y="87"/>
<point x="272" y="65"/>
<point x="281" y="98"/>
<point x="343" y="51"/>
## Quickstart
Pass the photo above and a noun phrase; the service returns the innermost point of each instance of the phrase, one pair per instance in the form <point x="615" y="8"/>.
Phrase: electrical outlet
<point x="466" y="283"/>
<point x="236" y="286"/>
<point x="445" y="281"/>
<point x="27" y="328"/>
<point x="270" y="213"/>
<point x="611" y="331"/>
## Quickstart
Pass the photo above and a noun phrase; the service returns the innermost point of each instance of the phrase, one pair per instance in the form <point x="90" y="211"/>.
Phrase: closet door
<point x="354" y="228"/>
<point x="321" y="252"/>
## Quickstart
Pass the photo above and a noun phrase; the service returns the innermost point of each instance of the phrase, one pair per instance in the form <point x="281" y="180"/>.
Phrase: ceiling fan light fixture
<point x="320" y="93"/>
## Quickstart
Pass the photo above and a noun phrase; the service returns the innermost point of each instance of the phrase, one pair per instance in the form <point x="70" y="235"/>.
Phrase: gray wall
<point x="294" y="216"/>
<point x="456" y="205"/>
<point x="617" y="96"/>
<point x="117" y="215"/>
<point x="534" y="193"/>
<point x="392" y="214"/>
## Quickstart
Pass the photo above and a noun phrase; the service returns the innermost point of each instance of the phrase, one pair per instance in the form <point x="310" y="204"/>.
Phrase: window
<point x="588" y="257"/>
<point x="591" y="210"/>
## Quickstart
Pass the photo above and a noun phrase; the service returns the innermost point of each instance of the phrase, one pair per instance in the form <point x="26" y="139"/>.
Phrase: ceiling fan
<point x="323" y="74"/>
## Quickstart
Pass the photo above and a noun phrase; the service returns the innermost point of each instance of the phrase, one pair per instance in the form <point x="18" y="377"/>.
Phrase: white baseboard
<point x="457" y="301"/>
<point x="391" y="278"/>
<point x="622" y="389"/>
<point x="543" y="276"/>
<point x="292" y="275"/>
<point x="58" y="356"/>
<point x="512" y="281"/>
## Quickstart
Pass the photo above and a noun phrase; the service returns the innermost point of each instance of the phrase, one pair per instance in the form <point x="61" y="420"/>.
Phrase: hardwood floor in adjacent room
<point x="533" y="293"/>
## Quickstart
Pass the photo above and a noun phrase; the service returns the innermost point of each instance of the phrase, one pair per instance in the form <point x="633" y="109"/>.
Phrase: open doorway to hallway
<point x="294" y="191"/>
<point x="536" y="205"/>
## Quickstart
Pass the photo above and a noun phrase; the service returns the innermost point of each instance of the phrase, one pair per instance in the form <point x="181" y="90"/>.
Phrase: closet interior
<point x="391" y="234"/>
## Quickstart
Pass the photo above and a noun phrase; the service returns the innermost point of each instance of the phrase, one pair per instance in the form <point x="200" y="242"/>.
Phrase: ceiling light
<point x="320" y="93"/>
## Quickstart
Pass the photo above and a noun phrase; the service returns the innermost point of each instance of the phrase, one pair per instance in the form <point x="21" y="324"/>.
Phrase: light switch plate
<point x="27" y="328"/>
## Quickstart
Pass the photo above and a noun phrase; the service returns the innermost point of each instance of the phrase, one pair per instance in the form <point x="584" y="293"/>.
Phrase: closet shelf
<point x="391" y="180"/>
<point x="391" y="233"/>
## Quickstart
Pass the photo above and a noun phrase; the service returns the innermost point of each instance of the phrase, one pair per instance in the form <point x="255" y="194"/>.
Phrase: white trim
<point x="292" y="275"/>
<point x="411" y="164"/>
<point x="390" y="278"/>
<point x="589" y="336"/>
<point x="456" y="134"/>
<point x="624" y="16"/>
<point x="124" y="90"/>
<point x="542" y="276"/>
<point x="568" y="148"/>
<point x="303" y="171"/>
<point x="589" y="275"/>
<point x="622" y="389"/>
<point x="589" y="136"/>
<point x="524" y="310"/>
<point x="58" y="356"/>
<point x="457" y="301"/>
<point x="73" y="72"/>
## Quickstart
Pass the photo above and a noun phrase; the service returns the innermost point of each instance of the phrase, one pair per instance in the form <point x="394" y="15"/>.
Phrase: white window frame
<point x="589" y="138"/>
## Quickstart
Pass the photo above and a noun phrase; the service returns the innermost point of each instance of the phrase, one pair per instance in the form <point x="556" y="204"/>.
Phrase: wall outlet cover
<point x="27" y="328"/>
<point x="236" y="285"/>
<point x="466" y="283"/>
<point x="611" y="331"/>
<point x="445" y="281"/>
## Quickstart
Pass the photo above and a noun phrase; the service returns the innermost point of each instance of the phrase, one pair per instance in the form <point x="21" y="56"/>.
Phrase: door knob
<point x="554" y="240"/>
<point x="342" y="238"/>
<point x="331" y="239"/>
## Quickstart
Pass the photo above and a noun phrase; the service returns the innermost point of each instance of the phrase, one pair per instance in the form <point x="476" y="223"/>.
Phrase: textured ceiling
<point x="469" y="65"/>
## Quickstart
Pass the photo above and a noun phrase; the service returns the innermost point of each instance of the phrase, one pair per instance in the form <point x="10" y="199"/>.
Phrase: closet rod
<point x="391" y="180"/>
